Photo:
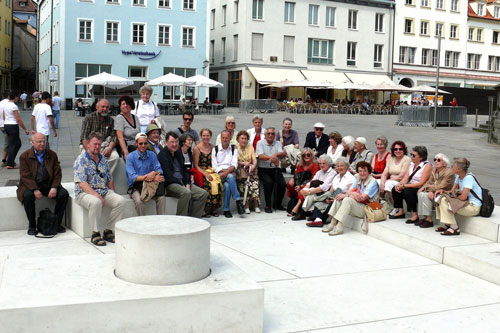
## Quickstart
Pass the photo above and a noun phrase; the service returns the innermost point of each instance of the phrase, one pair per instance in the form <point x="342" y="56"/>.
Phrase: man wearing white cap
<point x="362" y="154"/>
<point x="317" y="140"/>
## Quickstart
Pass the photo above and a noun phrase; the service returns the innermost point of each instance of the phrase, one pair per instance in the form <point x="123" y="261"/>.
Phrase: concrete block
<point x="484" y="227"/>
<point x="162" y="250"/>
<point x="226" y="301"/>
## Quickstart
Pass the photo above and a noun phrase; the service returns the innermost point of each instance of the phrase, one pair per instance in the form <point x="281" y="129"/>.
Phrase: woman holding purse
<point x="247" y="172"/>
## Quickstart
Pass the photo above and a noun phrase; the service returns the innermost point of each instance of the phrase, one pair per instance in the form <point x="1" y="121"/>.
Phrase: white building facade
<point x="470" y="43"/>
<point x="257" y="42"/>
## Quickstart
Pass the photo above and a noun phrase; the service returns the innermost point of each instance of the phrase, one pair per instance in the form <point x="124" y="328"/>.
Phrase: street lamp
<point x="438" y="35"/>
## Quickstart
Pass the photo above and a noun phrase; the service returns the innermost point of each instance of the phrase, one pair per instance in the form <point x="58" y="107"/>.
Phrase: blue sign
<point x="143" y="55"/>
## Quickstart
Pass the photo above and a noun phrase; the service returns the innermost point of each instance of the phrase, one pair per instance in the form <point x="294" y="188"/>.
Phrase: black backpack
<point x="487" y="204"/>
<point x="47" y="224"/>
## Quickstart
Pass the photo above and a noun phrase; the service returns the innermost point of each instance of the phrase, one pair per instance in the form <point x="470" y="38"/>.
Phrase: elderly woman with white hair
<point x="348" y="145"/>
<point x="230" y="125"/>
<point x="145" y="109"/>
<point x="442" y="178"/>
<point x="362" y="153"/>
<point x="256" y="133"/>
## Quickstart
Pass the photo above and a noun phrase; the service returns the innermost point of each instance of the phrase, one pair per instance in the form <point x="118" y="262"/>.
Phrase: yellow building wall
<point x="5" y="43"/>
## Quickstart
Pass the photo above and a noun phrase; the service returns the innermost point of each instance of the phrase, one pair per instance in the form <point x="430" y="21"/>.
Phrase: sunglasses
<point x="271" y="133"/>
<point x="318" y="129"/>
<point x="230" y="122"/>
<point x="413" y="155"/>
<point x="437" y="160"/>
<point x="142" y="143"/>
<point x="188" y="119"/>
<point x="307" y="155"/>
<point x="398" y="149"/>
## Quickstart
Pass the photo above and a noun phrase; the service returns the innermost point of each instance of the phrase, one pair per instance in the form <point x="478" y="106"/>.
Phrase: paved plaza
<point x="312" y="282"/>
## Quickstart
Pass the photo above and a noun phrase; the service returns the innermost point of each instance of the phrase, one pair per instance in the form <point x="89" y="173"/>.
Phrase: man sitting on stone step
<point x="40" y="175"/>
<point x="94" y="189"/>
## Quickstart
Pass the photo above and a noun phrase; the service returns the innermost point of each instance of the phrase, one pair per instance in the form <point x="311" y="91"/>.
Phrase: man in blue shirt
<point x="56" y="108"/>
<point x="144" y="169"/>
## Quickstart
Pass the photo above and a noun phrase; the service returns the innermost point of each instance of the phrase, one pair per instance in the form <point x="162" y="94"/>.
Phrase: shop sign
<point x="143" y="55"/>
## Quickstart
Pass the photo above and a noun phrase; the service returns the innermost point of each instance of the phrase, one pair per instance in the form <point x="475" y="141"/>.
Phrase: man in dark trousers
<point x="191" y="198"/>
<point x="40" y="175"/>
<point x="317" y="140"/>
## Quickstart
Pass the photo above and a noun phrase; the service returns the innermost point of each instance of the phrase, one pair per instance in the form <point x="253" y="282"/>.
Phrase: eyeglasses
<point x="437" y="160"/>
<point x="271" y="133"/>
<point x="188" y="119"/>
<point x="318" y="129"/>
<point x="398" y="149"/>
<point x="307" y="155"/>
<point x="413" y="155"/>
<point x="142" y="143"/>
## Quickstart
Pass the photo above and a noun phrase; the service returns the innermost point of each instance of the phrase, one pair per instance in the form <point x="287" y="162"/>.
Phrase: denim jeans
<point x="230" y="190"/>
<point x="56" y="114"/>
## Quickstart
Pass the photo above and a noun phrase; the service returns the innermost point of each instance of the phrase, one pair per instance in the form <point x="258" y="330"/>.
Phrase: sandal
<point x="205" y="215"/>
<point x="97" y="239"/>
<point x="451" y="232"/>
<point x="442" y="228"/>
<point x="108" y="236"/>
<point x="214" y="214"/>
<point x="292" y="214"/>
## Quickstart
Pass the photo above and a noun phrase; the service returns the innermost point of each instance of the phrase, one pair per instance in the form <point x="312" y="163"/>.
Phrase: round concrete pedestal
<point x="162" y="249"/>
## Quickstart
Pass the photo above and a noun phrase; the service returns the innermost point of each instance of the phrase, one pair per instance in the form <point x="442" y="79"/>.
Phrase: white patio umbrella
<point x="428" y="89"/>
<point x="171" y="79"/>
<point x="276" y="84"/>
<point x="353" y="86"/>
<point x="106" y="80"/>
<point x="390" y="87"/>
<point x="203" y="81"/>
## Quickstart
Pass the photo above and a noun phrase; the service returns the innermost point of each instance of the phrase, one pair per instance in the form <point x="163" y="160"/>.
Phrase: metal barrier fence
<point x="260" y="105"/>
<point x="413" y="115"/>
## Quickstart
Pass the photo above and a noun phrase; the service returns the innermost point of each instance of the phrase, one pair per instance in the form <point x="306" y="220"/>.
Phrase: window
<point x="439" y="29"/>
<point x="377" y="55"/>
<point x="424" y="28"/>
<point x="112" y="31"/>
<point x="257" y="46"/>
<point x="113" y="2"/>
<point x="174" y="93"/>
<point x="496" y="39"/>
<point x="330" y="17"/>
<point x="409" y="26"/>
<point x="236" y="10"/>
<point x="164" y="4"/>
<point x="379" y="22"/>
<point x="320" y="51"/>
<point x="425" y="3"/>
<point x="409" y="2"/>
<point x="454" y="5"/>
<point x="163" y="35"/>
<point x="473" y="60"/>
<point x="407" y="54"/>
<point x="235" y="48"/>
<point x="352" y="22"/>
<point x="141" y="3"/>
<point x="86" y="70"/>
<point x="138" y="72"/>
<point x="289" y="12"/>
<point x="288" y="48"/>
<point x="496" y="12"/>
<point x="187" y="37"/>
<point x="212" y="52"/>
<point x="351" y="54"/>
<point x="224" y="15"/>
<point x="212" y="19"/>
<point x="479" y="35"/>
<point x="494" y="63"/>
<point x="313" y="14"/>
<point x="429" y="57"/>
<point x="138" y="33"/>
<point x="470" y="36"/>
<point x="480" y="9"/>
<point x="85" y="30"/>
<point x="453" y="31"/>
<point x="223" y="48"/>
<point x="439" y="4"/>
<point x="188" y="5"/>
<point x="451" y="59"/>
<point x="257" y="9"/>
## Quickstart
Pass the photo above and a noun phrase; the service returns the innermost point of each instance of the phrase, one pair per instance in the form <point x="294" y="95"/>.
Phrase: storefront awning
<point x="371" y="79"/>
<point x="332" y="77"/>
<point x="267" y="75"/>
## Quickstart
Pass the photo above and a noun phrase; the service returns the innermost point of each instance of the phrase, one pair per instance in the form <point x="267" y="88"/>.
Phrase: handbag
<point x="374" y="212"/>
<point x="284" y="163"/>
<point x="301" y="178"/>
<point x="47" y="224"/>
<point x="241" y="173"/>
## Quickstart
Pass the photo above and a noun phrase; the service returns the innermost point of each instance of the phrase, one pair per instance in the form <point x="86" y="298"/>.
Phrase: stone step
<point x="479" y="129"/>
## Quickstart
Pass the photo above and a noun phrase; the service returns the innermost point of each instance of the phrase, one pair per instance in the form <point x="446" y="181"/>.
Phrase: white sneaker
<point x="257" y="209"/>
<point x="247" y="210"/>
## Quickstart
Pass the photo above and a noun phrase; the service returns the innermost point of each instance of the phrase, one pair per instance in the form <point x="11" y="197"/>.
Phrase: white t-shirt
<point x="8" y="110"/>
<point x="146" y="112"/>
<point x="42" y="111"/>
<point x="3" y="102"/>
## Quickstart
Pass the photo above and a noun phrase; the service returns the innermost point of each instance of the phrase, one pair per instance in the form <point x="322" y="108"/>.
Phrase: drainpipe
<point x="51" y="37"/>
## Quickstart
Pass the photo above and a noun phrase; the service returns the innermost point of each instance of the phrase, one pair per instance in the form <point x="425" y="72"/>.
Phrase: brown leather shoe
<point x="426" y="224"/>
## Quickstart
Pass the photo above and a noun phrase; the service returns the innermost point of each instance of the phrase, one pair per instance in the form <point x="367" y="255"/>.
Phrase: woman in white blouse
<point x="145" y="109"/>
<point x="336" y="148"/>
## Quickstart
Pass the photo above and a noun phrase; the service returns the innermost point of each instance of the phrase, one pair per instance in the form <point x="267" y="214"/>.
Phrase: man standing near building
<point x="153" y="133"/>
<point x="3" y="102"/>
<point x="269" y="151"/>
<point x="191" y="198"/>
<point x="24" y="99"/>
<point x="101" y="122"/>
<point x="224" y="162"/>
<point x="187" y="121"/>
<point x="56" y="108"/>
<point x="94" y="189"/>
<point x="42" y="113"/>
<point x="40" y="175"/>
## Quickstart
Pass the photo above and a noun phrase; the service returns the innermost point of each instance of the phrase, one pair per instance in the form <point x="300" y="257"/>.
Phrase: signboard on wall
<point x="53" y="73"/>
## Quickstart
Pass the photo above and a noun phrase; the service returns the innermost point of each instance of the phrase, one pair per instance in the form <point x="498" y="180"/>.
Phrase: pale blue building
<point x="137" y="39"/>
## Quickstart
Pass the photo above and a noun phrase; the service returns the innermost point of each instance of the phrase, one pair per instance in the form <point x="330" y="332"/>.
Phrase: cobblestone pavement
<point x="454" y="142"/>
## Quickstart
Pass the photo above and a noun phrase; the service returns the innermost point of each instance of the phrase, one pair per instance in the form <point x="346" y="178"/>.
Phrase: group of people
<point x="334" y="176"/>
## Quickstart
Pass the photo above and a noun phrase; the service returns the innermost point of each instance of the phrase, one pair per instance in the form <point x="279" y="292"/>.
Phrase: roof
<point x="30" y="6"/>
<point x="487" y="16"/>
